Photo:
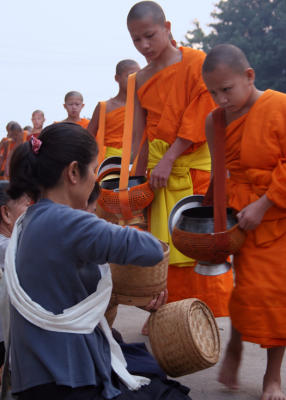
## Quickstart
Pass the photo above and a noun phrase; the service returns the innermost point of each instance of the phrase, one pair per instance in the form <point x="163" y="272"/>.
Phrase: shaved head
<point x="124" y="65"/>
<point x="145" y="8"/>
<point x="13" y="126"/>
<point x="38" y="112"/>
<point x="226" y="54"/>
<point x="73" y="93"/>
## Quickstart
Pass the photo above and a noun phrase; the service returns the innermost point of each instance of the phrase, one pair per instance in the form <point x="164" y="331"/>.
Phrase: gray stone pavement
<point x="203" y="384"/>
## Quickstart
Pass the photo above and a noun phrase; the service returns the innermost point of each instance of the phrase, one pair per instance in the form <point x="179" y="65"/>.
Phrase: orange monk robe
<point x="177" y="103"/>
<point x="114" y="125"/>
<point x="32" y="134"/>
<point x="25" y="136"/>
<point x="5" y="155"/>
<point x="83" y="122"/>
<point x="256" y="159"/>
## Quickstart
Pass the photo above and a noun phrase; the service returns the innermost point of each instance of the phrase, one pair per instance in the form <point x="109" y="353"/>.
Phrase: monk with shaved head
<point x="171" y="105"/>
<point x="73" y="105"/>
<point x="255" y="153"/>
<point x="38" y="119"/>
<point x="7" y="146"/>
<point x="113" y="116"/>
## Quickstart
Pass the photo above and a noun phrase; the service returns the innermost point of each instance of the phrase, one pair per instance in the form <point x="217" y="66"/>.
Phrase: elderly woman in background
<point x="10" y="210"/>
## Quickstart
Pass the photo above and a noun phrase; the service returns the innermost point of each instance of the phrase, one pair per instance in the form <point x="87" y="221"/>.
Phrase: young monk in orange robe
<point x="38" y="119"/>
<point x="115" y="111"/>
<point x="171" y="105"/>
<point x="14" y="137"/>
<point x="73" y="105"/>
<point x="256" y="160"/>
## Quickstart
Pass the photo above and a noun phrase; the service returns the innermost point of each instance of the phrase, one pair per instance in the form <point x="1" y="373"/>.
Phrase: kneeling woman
<point x="61" y="345"/>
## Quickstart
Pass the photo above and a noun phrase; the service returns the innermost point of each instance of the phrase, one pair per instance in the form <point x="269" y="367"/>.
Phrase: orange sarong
<point x="177" y="103"/>
<point x="256" y="159"/>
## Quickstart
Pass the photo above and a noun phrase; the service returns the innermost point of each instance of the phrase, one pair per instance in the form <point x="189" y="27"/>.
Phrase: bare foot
<point x="144" y="330"/>
<point x="228" y="374"/>
<point x="272" y="390"/>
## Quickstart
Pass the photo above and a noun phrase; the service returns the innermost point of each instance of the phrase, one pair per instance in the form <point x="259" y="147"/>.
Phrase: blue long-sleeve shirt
<point x="58" y="252"/>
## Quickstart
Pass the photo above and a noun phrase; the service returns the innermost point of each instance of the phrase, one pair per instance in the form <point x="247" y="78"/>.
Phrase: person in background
<point x="15" y="136"/>
<point x="10" y="210"/>
<point x="73" y="105"/>
<point x="115" y="111"/>
<point x="38" y="120"/>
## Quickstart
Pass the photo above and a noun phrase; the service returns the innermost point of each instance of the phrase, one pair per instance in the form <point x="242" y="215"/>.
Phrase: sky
<point x="50" y="47"/>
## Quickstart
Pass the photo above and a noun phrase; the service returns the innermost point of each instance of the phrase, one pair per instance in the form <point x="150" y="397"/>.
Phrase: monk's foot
<point x="272" y="390"/>
<point x="144" y="330"/>
<point x="228" y="374"/>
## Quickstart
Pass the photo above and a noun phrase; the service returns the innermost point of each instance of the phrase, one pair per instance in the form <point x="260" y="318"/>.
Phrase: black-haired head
<point x="32" y="171"/>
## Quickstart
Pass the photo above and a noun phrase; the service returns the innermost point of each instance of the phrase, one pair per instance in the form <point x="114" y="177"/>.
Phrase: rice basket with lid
<point x="184" y="337"/>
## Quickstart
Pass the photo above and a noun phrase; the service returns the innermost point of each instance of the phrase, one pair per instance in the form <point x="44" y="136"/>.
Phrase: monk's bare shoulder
<point x="144" y="75"/>
<point x="113" y="104"/>
<point x="155" y="66"/>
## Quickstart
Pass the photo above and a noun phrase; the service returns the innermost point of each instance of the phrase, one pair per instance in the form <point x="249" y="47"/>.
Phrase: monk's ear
<point x="72" y="172"/>
<point x="82" y="106"/>
<point x="65" y="106"/>
<point x="168" y="26"/>
<point x="250" y="74"/>
<point x="116" y="77"/>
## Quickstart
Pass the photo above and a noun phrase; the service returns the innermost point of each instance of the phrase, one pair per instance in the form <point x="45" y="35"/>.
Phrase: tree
<point x="258" y="27"/>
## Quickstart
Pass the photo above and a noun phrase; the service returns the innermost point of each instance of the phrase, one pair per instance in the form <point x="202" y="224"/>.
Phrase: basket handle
<point x="219" y="177"/>
<point x="126" y="148"/>
<point x="101" y="133"/>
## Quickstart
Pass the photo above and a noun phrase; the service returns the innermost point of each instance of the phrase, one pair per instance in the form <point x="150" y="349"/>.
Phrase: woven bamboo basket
<point x="184" y="337"/>
<point x="135" y="285"/>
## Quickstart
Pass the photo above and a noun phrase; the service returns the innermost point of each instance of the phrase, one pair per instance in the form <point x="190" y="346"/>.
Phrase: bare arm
<point x="251" y="216"/>
<point x="160" y="174"/>
<point x="93" y="124"/>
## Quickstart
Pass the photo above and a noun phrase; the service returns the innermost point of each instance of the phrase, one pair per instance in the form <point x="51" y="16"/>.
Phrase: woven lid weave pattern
<point x="184" y="337"/>
<point x="135" y="285"/>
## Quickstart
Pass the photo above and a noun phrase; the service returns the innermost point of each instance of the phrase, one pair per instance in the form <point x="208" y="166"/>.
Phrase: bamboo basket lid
<point x="184" y="337"/>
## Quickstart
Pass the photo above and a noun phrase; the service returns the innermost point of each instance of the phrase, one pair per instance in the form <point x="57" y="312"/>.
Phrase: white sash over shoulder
<point x="82" y="318"/>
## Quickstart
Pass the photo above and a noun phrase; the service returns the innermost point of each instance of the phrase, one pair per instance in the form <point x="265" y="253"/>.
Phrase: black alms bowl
<point x="113" y="184"/>
<point x="201" y="220"/>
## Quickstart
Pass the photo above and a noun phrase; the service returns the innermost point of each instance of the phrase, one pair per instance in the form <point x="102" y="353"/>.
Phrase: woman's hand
<point x="157" y="301"/>
<point x="251" y="216"/>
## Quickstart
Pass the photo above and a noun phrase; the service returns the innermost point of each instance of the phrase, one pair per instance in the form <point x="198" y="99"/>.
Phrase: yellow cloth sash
<point x="179" y="185"/>
<point x="112" y="151"/>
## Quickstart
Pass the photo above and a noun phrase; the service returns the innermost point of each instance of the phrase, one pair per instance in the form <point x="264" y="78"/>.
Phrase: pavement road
<point x="203" y="384"/>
